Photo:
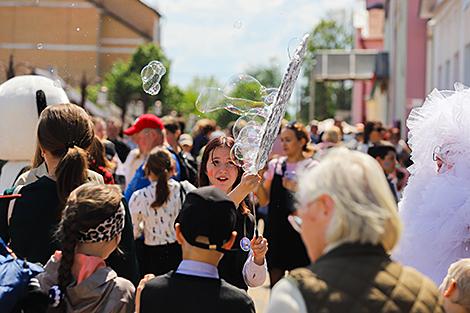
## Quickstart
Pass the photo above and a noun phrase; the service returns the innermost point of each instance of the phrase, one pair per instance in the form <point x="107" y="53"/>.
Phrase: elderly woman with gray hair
<point x="456" y="287"/>
<point x="349" y="223"/>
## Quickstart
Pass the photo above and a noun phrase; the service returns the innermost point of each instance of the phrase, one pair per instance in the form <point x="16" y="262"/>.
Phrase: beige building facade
<point x="73" y="38"/>
<point x="448" y="42"/>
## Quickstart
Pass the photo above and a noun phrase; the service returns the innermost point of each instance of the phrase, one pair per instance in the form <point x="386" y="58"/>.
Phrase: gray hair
<point x="459" y="272"/>
<point x="364" y="208"/>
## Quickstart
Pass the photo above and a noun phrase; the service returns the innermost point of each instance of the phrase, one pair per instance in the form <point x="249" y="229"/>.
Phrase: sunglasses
<point x="437" y="153"/>
<point x="291" y="124"/>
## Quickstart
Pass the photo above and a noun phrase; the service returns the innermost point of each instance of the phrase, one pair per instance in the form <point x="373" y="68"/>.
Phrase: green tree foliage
<point x="191" y="93"/>
<point x="269" y="76"/>
<point x="329" y="96"/>
<point x="124" y="82"/>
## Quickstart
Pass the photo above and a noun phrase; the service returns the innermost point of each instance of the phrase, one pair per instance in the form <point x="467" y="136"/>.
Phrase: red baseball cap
<point x="144" y="121"/>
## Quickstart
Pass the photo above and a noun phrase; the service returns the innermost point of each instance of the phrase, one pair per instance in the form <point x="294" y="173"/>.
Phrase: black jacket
<point x="178" y="293"/>
<point x="35" y="219"/>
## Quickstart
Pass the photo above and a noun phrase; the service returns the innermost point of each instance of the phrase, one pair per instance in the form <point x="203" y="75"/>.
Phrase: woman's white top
<point x="157" y="225"/>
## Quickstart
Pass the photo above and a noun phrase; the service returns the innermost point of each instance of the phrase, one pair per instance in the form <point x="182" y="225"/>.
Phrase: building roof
<point x="122" y="18"/>
<point x="151" y="8"/>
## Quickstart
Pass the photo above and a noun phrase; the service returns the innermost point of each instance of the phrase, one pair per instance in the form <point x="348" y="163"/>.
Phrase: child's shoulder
<point x="124" y="285"/>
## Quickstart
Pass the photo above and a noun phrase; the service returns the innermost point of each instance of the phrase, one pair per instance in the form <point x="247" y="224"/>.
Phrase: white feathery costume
<point x="435" y="208"/>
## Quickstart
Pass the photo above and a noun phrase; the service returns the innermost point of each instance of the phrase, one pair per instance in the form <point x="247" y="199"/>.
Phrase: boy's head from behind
<point x="206" y="222"/>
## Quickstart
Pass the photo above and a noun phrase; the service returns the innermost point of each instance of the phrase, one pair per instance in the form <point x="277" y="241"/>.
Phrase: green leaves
<point x="124" y="82"/>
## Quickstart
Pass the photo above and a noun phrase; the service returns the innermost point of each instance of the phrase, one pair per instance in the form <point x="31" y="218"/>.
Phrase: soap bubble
<point x="241" y="94"/>
<point x="252" y="117"/>
<point x="261" y="110"/>
<point x="210" y="99"/>
<point x="237" y="24"/>
<point x="245" y="96"/>
<point x="39" y="46"/>
<point x="151" y="76"/>
<point x="246" y="146"/>
<point x="57" y="83"/>
<point x="271" y="94"/>
<point x="77" y="29"/>
<point x="292" y="45"/>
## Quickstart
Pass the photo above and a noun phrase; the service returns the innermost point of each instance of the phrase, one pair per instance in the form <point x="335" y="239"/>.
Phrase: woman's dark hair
<point x="87" y="206"/>
<point x="97" y="156"/>
<point x="300" y="132"/>
<point x="369" y="128"/>
<point x="66" y="131"/>
<point x="218" y="142"/>
<point x="159" y="163"/>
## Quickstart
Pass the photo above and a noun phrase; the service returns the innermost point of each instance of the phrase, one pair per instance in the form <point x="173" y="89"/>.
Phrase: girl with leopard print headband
<point x="77" y="277"/>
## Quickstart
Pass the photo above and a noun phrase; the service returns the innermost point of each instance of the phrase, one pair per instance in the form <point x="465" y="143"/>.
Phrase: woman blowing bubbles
<point x="239" y="268"/>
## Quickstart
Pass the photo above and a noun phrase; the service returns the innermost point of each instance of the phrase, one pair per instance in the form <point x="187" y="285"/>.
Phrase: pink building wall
<point x="416" y="55"/>
<point x="362" y="89"/>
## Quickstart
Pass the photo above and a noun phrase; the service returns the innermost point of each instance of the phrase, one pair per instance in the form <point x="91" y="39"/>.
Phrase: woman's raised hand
<point x="250" y="182"/>
<point x="259" y="245"/>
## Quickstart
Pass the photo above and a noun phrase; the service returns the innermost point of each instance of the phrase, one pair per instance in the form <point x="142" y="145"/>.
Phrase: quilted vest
<point x="362" y="278"/>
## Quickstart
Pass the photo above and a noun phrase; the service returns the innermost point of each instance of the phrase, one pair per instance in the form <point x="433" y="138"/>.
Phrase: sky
<point x="222" y="38"/>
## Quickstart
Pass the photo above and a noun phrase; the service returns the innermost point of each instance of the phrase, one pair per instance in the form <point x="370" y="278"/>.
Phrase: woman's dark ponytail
<point x="71" y="172"/>
<point x="66" y="131"/>
<point x="159" y="163"/>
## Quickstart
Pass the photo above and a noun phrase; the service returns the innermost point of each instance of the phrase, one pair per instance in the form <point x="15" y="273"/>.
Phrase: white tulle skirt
<point x="435" y="212"/>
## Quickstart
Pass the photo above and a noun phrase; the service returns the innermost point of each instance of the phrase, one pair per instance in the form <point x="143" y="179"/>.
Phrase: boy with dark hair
<point x="386" y="155"/>
<point x="205" y="231"/>
<point x="186" y="164"/>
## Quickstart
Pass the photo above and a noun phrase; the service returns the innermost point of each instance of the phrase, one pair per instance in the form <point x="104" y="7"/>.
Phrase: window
<point x="447" y="81"/>
<point x="467" y="65"/>
<point x="456" y="68"/>
<point x="466" y="4"/>
<point x="439" y="84"/>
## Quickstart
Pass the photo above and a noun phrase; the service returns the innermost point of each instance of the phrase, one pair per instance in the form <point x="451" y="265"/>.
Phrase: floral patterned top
<point x="157" y="224"/>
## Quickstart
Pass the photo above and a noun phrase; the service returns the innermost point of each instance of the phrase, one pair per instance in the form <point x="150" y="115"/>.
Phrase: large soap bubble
<point x="253" y="117"/>
<point x="246" y="145"/>
<point x="261" y="110"/>
<point x="241" y="94"/>
<point x="151" y="76"/>
<point x="254" y="141"/>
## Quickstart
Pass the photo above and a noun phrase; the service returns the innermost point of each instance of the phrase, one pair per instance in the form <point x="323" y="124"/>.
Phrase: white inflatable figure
<point x="435" y="208"/>
<point x="22" y="98"/>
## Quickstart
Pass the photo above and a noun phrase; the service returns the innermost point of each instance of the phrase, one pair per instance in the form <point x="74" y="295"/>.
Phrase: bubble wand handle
<point x="252" y="201"/>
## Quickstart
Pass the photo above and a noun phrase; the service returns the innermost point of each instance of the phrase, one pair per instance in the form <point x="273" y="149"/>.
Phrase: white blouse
<point x="157" y="224"/>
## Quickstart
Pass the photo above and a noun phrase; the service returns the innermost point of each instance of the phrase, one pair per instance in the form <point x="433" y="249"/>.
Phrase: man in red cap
<point x="148" y="133"/>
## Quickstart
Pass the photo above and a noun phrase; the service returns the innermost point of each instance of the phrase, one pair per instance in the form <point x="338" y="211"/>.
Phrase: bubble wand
<point x="278" y="109"/>
<point x="254" y="141"/>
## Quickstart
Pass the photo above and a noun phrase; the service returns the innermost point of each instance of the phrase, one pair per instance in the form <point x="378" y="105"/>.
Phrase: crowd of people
<point x="149" y="218"/>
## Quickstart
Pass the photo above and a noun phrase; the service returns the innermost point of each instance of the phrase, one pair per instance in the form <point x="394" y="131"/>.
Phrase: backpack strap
<point x="182" y="193"/>
<point x="11" y="205"/>
<point x="284" y="167"/>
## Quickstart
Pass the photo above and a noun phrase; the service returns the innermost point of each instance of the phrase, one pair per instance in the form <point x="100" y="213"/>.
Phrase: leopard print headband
<point x="107" y="230"/>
